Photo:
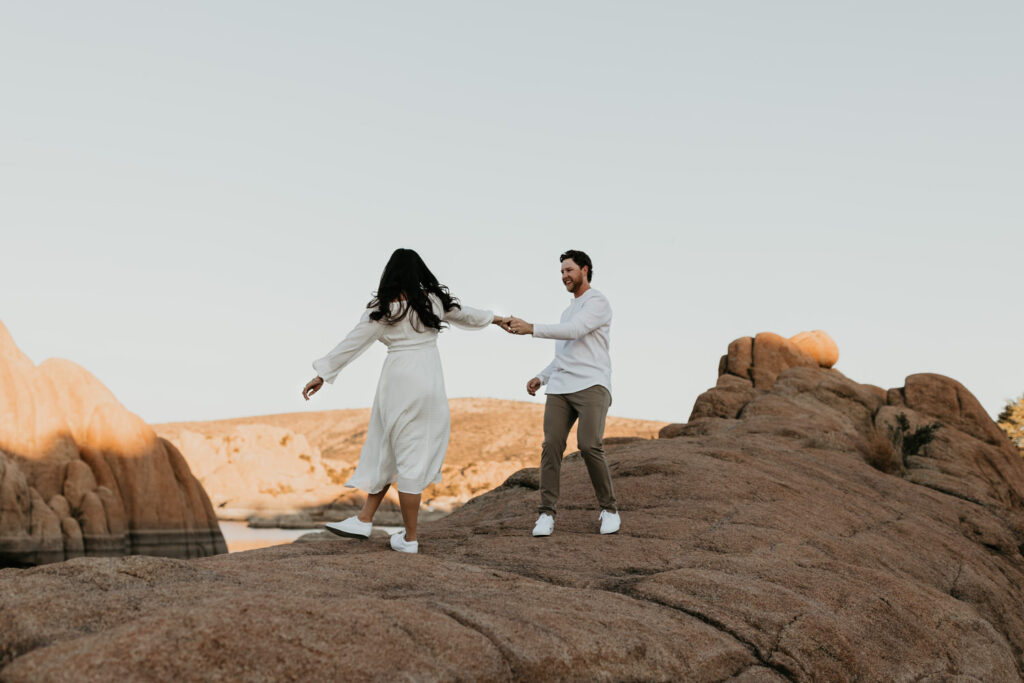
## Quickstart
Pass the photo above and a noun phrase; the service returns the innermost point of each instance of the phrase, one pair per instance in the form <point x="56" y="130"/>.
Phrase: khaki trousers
<point x="590" y="406"/>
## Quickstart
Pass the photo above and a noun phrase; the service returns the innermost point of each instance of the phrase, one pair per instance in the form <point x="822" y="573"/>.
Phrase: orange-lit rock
<point x="760" y="359"/>
<point x="114" y="486"/>
<point x="818" y="345"/>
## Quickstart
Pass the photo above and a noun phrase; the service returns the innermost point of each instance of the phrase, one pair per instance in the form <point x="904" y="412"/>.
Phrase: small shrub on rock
<point x="910" y="442"/>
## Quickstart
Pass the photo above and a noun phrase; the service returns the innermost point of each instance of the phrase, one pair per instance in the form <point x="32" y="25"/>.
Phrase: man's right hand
<point x="532" y="386"/>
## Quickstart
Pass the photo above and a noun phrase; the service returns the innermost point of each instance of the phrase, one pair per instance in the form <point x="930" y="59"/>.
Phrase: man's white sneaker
<point x="350" y="528"/>
<point x="399" y="543"/>
<point x="544" y="526"/>
<point x="609" y="521"/>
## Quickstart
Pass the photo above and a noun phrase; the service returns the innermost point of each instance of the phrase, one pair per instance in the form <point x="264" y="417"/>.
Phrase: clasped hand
<point x="514" y="325"/>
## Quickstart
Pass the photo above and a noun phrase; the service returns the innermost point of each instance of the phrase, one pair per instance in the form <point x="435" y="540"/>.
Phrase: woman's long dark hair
<point x="407" y="276"/>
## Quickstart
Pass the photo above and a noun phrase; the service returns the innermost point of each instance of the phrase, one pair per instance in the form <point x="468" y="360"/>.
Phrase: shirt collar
<point x="584" y="295"/>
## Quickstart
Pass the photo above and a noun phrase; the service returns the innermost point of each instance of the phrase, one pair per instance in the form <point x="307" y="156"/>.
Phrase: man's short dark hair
<point x="581" y="260"/>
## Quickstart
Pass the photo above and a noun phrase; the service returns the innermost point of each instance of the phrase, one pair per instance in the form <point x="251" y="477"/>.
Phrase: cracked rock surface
<point x="784" y="539"/>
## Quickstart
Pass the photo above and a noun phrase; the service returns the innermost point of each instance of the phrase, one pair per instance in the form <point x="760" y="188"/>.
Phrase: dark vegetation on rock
<point x="779" y="534"/>
<point x="910" y="441"/>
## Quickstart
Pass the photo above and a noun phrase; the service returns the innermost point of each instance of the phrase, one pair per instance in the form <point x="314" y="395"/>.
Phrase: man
<point x="578" y="387"/>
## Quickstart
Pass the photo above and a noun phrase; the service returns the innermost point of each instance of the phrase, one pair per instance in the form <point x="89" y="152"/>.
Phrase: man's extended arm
<point x="592" y="315"/>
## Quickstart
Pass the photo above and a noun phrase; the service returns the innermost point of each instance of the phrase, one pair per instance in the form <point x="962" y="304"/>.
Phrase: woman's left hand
<point x="312" y="387"/>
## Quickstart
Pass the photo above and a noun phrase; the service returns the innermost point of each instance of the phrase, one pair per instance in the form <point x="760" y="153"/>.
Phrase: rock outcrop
<point x="80" y="475"/>
<point x="760" y="359"/>
<point x="789" y="537"/>
<point x="258" y="469"/>
<point x="273" y="466"/>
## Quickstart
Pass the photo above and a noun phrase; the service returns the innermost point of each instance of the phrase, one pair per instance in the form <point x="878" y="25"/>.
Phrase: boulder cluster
<point x="81" y="475"/>
<point x="967" y="454"/>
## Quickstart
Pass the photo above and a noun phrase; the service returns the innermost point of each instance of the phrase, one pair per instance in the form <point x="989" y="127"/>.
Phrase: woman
<point x="408" y="434"/>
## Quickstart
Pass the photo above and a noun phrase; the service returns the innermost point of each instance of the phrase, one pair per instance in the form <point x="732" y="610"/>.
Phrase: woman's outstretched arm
<point x="469" y="318"/>
<point x="355" y="342"/>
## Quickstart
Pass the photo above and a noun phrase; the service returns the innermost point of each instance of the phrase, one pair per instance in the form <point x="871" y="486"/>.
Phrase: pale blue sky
<point x="196" y="199"/>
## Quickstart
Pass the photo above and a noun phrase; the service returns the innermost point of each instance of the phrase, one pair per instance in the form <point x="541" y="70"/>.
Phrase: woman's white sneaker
<point x="399" y="543"/>
<point x="545" y="525"/>
<point x="350" y="528"/>
<point x="609" y="521"/>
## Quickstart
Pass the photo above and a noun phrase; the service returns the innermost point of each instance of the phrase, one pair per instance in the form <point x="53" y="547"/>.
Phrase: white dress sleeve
<point x="355" y="342"/>
<point x="469" y="318"/>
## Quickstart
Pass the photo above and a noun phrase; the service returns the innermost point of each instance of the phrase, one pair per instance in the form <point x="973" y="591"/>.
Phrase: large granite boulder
<point x="818" y="345"/>
<point x="80" y="474"/>
<point x="794" y="540"/>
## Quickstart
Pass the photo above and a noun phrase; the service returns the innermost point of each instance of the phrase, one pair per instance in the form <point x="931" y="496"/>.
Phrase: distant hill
<point x="279" y="464"/>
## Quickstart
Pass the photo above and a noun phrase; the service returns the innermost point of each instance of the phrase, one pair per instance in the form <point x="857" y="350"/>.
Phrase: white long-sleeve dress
<point x="408" y="434"/>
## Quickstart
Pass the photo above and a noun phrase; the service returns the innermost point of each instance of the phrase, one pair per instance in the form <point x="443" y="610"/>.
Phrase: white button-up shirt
<point x="581" y="354"/>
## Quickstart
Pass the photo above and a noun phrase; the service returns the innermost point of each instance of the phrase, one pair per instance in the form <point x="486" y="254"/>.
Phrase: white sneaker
<point x="399" y="543"/>
<point x="544" y="526"/>
<point x="350" y="528"/>
<point x="609" y="521"/>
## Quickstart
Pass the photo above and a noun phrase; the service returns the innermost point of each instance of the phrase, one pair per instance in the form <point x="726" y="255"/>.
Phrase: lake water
<point x="240" y="537"/>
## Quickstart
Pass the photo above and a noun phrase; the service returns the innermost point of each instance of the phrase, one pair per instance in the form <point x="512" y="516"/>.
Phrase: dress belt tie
<point x="420" y="347"/>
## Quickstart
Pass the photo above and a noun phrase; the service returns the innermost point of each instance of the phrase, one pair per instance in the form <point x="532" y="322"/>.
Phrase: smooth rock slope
<point x="783" y="533"/>
<point x="81" y="475"/>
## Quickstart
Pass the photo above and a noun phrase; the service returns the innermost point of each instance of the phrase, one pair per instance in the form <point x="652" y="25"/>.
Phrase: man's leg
<point x="592" y="405"/>
<point x="559" y="416"/>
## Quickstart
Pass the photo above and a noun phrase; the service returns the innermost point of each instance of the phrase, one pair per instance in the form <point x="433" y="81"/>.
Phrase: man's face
<point x="572" y="277"/>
